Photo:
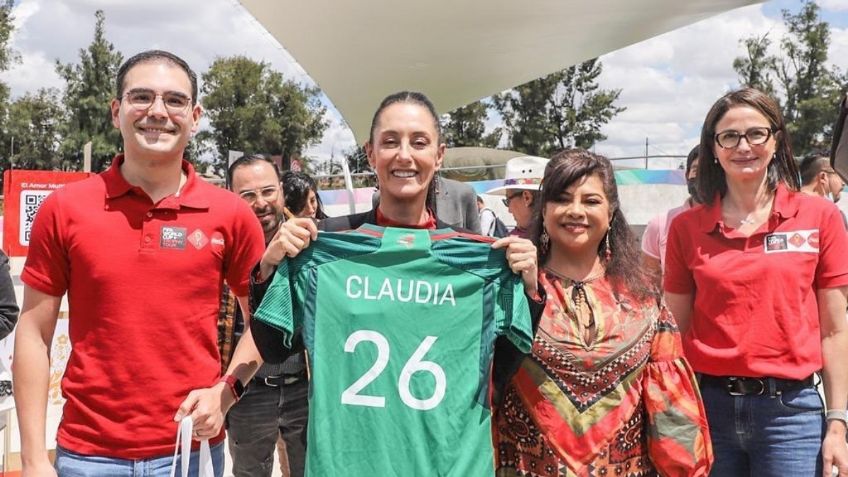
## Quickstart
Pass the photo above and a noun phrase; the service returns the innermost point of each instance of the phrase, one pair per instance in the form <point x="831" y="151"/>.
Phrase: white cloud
<point x="835" y="5"/>
<point x="669" y="82"/>
<point x="838" y="51"/>
<point x="338" y="139"/>
<point x="197" y="30"/>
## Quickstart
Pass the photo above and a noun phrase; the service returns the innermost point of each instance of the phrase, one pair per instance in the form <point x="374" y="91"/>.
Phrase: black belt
<point x="743" y="386"/>
<point x="281" y="380"/>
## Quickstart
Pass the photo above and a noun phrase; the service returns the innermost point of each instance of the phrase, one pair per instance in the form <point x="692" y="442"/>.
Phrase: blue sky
<point x="667" y="82"/>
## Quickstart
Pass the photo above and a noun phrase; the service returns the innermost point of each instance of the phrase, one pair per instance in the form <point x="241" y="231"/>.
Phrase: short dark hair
<point x="691" y="158"/>
<point x="153" y="56"/>
<point x="296" y="187"/>
<point x="247" y="160"/>
<point x="568" y="167"/>
<point x="782" y="168"/>
<point x="812" y="165"/>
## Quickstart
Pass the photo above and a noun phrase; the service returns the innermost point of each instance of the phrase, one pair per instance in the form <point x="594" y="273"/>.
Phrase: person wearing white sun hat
<point x="522" y="181"/>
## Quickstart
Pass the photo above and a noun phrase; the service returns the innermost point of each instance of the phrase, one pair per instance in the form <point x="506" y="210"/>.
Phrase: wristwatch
<point x="837" y="415"/>
<point x="234" y="384"/>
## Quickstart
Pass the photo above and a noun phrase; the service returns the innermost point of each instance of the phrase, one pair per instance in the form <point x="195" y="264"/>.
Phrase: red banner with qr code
<point x="24" y="191"/>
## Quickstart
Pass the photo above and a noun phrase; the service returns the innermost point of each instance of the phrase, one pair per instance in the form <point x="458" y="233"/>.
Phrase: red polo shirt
<point x="755" y="310"/>
<point x="144" y="282"/>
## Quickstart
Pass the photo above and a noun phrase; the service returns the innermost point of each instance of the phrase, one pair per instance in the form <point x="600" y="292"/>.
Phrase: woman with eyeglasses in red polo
<point x="756" y="278"/>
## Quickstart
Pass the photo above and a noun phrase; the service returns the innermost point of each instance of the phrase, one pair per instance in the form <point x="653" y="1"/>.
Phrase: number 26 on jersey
<point x="352" y="395"/>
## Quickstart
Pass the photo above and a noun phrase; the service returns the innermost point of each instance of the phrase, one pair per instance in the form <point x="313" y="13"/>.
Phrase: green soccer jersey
<point x="400" y="327"/>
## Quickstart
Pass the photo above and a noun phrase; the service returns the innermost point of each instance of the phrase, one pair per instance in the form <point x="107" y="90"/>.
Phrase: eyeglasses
<point x="143" y="99"/>
<point x="755" y="136"/>
<point x="509" y="198"/>
<point x="268" y="194"/>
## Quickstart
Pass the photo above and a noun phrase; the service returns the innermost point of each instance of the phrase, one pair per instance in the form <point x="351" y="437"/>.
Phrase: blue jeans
<point x="768" y="435"/>
<point x="69" y="464"/>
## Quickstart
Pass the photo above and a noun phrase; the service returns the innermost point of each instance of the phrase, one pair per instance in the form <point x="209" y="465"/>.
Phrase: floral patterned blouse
<point x="618" y="401"/>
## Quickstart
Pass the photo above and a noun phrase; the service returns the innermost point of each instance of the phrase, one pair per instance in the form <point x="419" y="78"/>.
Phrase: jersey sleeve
<point x="677" y="277"/>
<point x="276" y="308"/>
<point x="248" y="246"/>
<point x="651" y="239"/>
<point x="832" y="269"/>
<point x="513" y="313"/>
<point x="47" y="267"/>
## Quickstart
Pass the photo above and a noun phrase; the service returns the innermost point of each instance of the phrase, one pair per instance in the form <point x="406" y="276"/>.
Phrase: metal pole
<point x="646" y="153"/>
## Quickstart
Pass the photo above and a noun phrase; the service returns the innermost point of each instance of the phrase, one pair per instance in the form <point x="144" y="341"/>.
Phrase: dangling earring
<point x="544" y="240"/>
<point x="607" y="248"/>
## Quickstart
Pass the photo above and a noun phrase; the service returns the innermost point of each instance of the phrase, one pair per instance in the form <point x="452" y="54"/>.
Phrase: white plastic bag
<point x="184" y="442"/>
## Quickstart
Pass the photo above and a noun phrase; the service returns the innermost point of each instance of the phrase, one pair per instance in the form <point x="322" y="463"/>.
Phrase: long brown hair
<point x="569" y="167"/>
<point x="782" y="168"/>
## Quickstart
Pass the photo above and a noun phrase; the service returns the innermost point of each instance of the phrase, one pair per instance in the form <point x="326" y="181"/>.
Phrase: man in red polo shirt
<point x="139" y="249"/>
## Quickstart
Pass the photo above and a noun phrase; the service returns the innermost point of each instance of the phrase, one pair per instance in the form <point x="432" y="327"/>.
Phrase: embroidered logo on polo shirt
<point x="173" y="238"/>
<point x="217" y="242"/>
<point x="198" y="239"/>
<point x="775" y="243"/>
<point x="805" y="241"/>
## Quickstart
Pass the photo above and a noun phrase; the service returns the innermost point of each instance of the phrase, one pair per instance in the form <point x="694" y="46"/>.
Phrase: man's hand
<point x="293" y="236"/>
<point x="521" y="256"/>
<point x="207" y="408"/>
<point x="835" y="450"/>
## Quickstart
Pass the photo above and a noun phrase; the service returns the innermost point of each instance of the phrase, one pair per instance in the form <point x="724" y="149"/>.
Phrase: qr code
<point x="30" y="203"/>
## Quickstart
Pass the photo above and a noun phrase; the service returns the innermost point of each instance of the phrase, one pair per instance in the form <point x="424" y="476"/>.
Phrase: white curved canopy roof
<point x="457" y="51"/>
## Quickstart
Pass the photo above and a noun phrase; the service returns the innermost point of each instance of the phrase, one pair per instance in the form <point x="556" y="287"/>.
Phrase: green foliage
<point x="465" y="127"/>
<point x="757" y="68"/>
<point x="565" y="109"/>
<point x="807" y="88"/>
<point x="8" y="57"/>
<point x="252" y="108"/>
<point x="357" y="160"/>
<point x="89" y="89"/>
<point x="35" y="124"/>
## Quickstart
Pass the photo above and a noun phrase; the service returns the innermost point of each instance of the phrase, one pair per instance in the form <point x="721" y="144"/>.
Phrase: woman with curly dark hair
<point x="606" y="390"/>
<point x="301" y="195"/>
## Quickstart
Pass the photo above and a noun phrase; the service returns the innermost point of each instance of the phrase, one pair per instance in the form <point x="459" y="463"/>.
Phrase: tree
<point x="252" y="108"/>
<point x="89" y="89"/>
<point x="807" y="89"/>
<point x="564" y="109"/>
<point x="756" y="70"/>
<point x="465" y="127"/>
<point x="357" y="160"/>
<point x="34" y="125"/>
<point x="8" y="57"/>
